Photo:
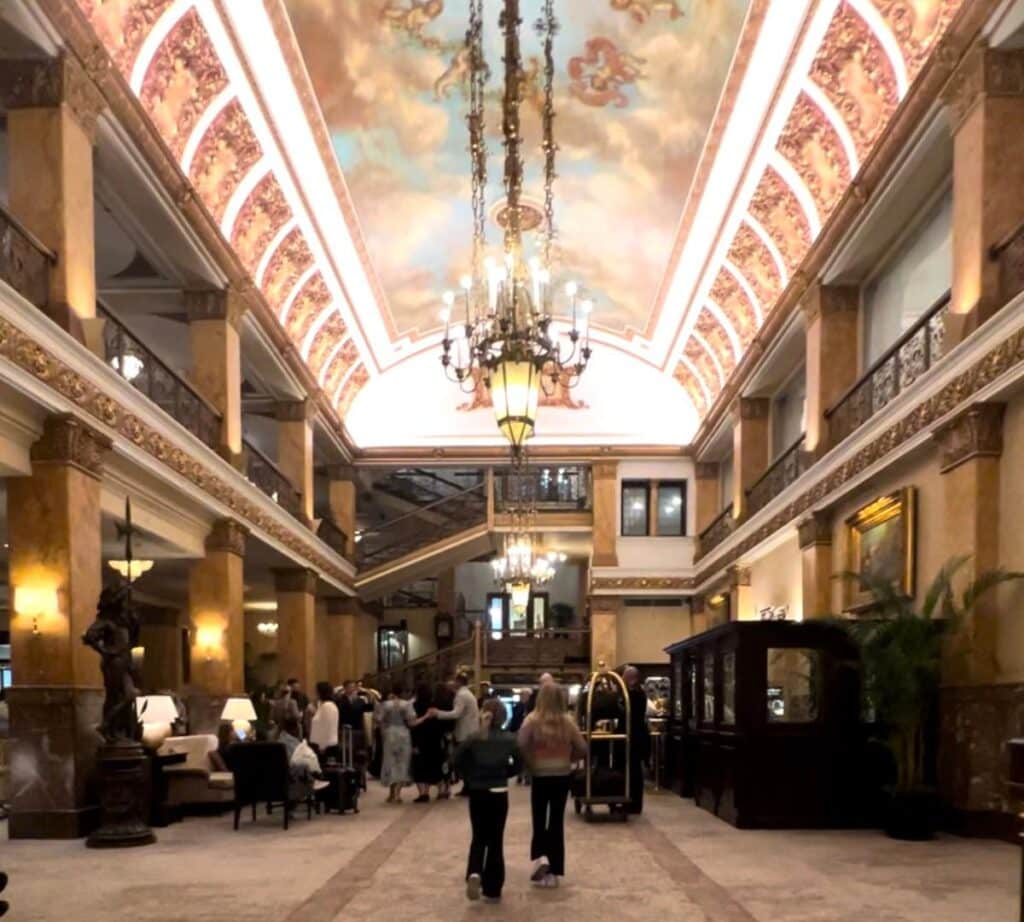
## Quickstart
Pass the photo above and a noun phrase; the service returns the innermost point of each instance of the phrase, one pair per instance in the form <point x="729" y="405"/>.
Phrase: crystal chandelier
<point x="501" y="328"/>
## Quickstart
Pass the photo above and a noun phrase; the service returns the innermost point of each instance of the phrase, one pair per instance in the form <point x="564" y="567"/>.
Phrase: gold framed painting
<point x="881" y="543"/>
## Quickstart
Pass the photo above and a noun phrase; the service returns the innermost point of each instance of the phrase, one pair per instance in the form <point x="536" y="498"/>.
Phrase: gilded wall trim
<point x="642" y="583"/>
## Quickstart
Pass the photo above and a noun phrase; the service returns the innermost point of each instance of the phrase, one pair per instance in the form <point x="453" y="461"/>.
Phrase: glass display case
<point x="765" y="728"/>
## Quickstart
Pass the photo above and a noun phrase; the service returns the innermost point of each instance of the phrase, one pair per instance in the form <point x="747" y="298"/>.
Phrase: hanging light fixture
<point x="501" y="329"/>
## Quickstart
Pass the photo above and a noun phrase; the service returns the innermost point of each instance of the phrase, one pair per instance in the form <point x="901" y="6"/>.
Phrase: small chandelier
<point x="268" y="628"/>
<point x="501" y="328"/>
<point x="131" y="570"/>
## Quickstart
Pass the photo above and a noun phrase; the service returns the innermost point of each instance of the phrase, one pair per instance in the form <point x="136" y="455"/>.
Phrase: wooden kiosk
<point x="764" y="728"/>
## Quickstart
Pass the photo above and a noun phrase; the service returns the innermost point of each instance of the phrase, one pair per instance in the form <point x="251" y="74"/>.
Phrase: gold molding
<point x="977" y="432"/>
<point x="67" y="440"/>
<point x="646" y="583"/>
<point x="878" y="512"/>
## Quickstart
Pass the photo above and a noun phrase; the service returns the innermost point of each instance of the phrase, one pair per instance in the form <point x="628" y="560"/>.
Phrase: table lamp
<point x="156" y="714"/>
<point x="240" y="712"/>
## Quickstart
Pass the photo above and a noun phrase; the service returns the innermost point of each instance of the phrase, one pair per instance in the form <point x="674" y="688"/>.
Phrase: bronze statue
<point x="113" y="635"/>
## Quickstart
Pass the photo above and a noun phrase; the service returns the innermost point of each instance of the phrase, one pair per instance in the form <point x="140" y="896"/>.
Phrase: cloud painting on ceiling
<point x="637" y="84"/>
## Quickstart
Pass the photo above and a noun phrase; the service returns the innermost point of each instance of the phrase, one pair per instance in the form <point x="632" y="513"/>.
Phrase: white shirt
<point x="465" y="713"/>
<point x="323" y="728"/>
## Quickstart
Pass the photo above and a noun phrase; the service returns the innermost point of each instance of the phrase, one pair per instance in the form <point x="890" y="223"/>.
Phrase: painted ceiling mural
<point x="638" y="84"/>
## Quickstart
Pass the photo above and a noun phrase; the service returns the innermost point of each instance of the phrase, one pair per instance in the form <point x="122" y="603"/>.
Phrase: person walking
<point x="323" y="726"/>
<point x="550" y="743"/>
<point x="465" y="714"/>
<point x="427" y="746"/>
<point x="486" y="761"/>
<point x="395" y="716"/>
<point x="444" y="700"/>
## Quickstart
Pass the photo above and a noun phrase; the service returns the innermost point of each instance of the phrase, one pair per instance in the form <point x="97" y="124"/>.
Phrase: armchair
<point x="200" y="779"/>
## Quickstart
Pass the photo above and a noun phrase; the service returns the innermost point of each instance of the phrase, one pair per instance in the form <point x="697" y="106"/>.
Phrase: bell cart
<point x="612" y="738"/>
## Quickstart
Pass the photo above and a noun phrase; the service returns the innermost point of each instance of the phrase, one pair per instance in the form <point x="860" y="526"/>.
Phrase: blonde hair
<point x="549" y="714"/>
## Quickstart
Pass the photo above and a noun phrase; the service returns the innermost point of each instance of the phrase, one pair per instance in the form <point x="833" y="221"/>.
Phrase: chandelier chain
<point x="547" y="26"/>
<point x="479" y="74"/>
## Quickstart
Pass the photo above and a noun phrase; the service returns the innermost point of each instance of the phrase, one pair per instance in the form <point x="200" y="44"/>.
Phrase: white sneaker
<point x="541" y="869"/>
<point x="473" y="886"/>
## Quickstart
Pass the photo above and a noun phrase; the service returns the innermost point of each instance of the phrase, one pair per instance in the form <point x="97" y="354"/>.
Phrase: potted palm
<point x="902" y="654"/>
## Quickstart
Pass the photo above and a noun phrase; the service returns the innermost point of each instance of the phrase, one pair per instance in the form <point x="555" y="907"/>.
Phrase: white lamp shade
<point x="156" y="709"/>
<point x="238" y="709"/>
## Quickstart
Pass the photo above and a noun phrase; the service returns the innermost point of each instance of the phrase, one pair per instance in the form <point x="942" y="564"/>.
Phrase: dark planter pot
<point x="912" y="814"/>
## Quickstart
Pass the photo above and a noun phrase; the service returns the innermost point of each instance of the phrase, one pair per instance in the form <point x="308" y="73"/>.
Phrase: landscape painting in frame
<point x="881" y="542"/>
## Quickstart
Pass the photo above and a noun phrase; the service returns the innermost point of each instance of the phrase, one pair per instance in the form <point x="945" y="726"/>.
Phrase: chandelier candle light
<point x="501" y="329"/>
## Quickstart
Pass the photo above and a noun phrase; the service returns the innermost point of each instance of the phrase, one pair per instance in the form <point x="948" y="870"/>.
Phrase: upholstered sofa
<point x="202" y="779"/>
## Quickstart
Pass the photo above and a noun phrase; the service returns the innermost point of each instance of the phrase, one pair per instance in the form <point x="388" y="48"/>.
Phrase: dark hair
<point x="443" y="697"/>
<point x="291" y="726"/>
<point x="324" y="691"/>
<point x="424" y="696"/>
<point x="461" y="678"/>
<point x="397" y="689"/>
<point x="494" y="714"/>
<point x="292" y="682"/>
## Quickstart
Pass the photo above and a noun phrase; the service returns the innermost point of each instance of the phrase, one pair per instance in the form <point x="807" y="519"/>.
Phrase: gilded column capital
<point x="706" y="470"/>
<point x="295" y="579"/>
<point x="295" y="411"/>
<point x="227" y="535"/>
<point x="67" y="440"/>
<point x="815" y="530"/>
<point x="27" y="83"/>
<point x="216" y="304"/>
<point x="976" y="432"/>
<point x="983" y="72"/>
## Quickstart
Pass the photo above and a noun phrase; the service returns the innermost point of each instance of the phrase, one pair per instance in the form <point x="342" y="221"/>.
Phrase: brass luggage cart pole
<point x="617" y="805"/>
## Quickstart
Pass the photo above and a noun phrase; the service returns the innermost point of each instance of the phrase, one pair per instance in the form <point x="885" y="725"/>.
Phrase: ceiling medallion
<point x="501" y="328"/>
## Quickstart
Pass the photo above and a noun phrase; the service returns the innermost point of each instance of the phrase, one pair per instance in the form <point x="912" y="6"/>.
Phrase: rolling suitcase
<point x="350" y="782"/>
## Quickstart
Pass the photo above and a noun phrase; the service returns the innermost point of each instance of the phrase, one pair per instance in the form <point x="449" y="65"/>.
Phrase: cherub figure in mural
<point x="457" y="74"/>
<point x="599" y="74"/>
<point x="642" y="10"/>
<point x="412" y="18"/>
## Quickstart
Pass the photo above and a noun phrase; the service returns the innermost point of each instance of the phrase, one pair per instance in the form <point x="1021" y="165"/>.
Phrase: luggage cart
<point x="612" y="789"/>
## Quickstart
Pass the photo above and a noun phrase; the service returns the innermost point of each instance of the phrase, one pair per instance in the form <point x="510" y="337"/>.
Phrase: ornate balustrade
<point x="910" y="356"/>
<point x="137" y="364"/>
<point x="431" y="669"/>
<point x="266" y="476"/>
<point x="24" y="261"/>
<point x="563" y="488"/>
<point x="723" y="525"/>
<point x="784" y="470"/>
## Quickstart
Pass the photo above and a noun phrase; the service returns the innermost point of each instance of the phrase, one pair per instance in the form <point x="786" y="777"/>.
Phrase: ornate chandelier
<point x="501" y="328"/>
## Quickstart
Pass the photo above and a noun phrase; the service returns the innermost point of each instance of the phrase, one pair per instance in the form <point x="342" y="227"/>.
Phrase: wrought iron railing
<point x="133" y="361"/>
<point x="1009" y="253"/>
<point x="429" y="670"/>
<point x="24" y="261"/>
<point x="333" y="536"/>
<point x="564" y="488"/>
<point x="720" y="528"/>
<point x="266" y="476"/>
<point x="782" y="472"/>
<point x="423" y="485"/>
<point x="421" y="527"/>
<point x="907" y="359"/>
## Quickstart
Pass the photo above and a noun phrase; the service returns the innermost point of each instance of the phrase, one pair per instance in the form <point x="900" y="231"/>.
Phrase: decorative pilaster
<point x="815" y="537"/>
<point x="741" y="598"/>
<point x="976" y="433"/>
<point x="751" y="443"/>
<point x="707" y="493"/>
<point x="296" y="619"/>
<point x="605" y="479"/>
<point x="604" y="630"/>
<point x="985" y="98"/>
<point x="295" y="448"/>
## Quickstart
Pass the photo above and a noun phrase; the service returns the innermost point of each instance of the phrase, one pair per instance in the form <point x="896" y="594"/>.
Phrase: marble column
<point x="160" y="638"/>
<point x="985" y="98"/>
<point x="214" y="321"/>
<point x="698" y="615"/>
<point x="52" y="107"/>
<point x="341" y="500"/>
<point x="751" y="444"/>
<point x="741" y="596"/>
<point x="604" y="630"/>
<point x="296" y="631"/>
<point x="605" y="489"/>
<point x="217" y="624"/>
<point x="348" y="643"/>
<point x="55" y="578"/>
<point x="295" y="449"/>
<point x="815" y="537"/>
<point x="707" y="493"/>
<point x="832" y="328"/>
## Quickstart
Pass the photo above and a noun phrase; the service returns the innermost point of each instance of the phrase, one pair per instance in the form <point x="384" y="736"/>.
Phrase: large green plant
<point x="901" y="652"/>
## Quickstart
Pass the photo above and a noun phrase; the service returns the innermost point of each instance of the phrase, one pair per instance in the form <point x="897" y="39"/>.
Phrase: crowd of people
<point x="436" y="736"/>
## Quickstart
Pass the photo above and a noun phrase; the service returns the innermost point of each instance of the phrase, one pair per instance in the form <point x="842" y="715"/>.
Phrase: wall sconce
<point x="133" y="572"/>
<point x="717" y="600"/>
<point x="209" y="640"/>
<point x="268" y="628"/>
<point x="35" y="602"/>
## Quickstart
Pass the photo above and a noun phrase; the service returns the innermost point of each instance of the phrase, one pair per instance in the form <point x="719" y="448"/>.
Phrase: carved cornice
<point x="67" y="440"/>
<point x="216" y="304"/>
<point x="826" y="300"/>
<point x="227" y="535"/>
<point x="645" y="583"/>
<point x="706" y="470"/>
<point x="976" y="433"/>
<point x="738" y="576"/>
<point x="295" y="579"/>
<point x="294" y="411"/>
<point x="815" y="530"/>
<point x="983" y="73"/>
<point x="49" y="83"/>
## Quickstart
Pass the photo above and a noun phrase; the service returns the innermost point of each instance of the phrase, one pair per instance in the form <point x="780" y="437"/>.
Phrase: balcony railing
<point x="720" y="529"/>
<point x="333" y="536"/>
<point x="784" y="470"/>
<point x="534" y="650"/>
<point x="24" y="261"/>
<point x="553" y="489"/>
<point x="910" y="356"/>
<point x="431" y="669"/>
<point x="137" y="364"/>
<point x="1009" y="253"/>
<point x="265" y="475"/>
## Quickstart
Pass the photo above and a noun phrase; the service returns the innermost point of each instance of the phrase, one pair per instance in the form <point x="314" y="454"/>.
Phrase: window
<point x="635" y="502"/>
<point x="671" y="508"/>
<point x="913" y="279"/>
<point x="794" y="678"/>
<point x="788" y="413"/>
<point x="725" y="481"/>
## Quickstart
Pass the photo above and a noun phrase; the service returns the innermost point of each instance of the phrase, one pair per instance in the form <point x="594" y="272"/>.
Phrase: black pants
<point x="547" y="800"/>
<point x="636" y="782"/>
<point x="487" y="814"/>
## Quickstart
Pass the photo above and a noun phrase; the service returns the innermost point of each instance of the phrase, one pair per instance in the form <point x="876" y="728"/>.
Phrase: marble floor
<point x="404" y="863"/>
